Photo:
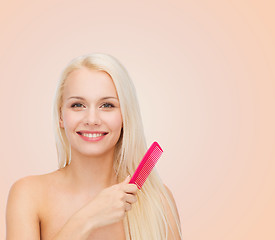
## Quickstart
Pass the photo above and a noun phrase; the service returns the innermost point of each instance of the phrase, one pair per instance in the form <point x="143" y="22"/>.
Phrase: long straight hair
<point x="147" y="219"/>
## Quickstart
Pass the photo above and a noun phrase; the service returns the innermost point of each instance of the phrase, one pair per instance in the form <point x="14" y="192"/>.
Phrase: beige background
<point x="205" y="76"/>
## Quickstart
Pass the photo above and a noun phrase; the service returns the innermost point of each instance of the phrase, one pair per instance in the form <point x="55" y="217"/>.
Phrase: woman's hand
<point x="111" y="204"/>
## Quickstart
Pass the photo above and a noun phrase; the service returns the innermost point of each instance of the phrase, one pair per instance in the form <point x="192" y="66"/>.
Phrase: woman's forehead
<point x="88" y="82"/>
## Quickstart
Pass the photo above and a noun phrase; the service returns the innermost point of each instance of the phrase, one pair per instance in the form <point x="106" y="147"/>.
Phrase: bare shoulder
<point x="23" y="189"/>
<point x="23" y="205"/>
<point x="173" y="216"/>
<point x="28" y="190"/>
<point x="22" y="219"/>
<point x="25" y="183"/>
<point x="30" y="186"/>
<point x="170" y="195"/>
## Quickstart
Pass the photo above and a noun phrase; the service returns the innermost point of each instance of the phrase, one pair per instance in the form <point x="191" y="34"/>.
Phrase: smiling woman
<point x="100" y="142"/>
<point x="91" y="112"/>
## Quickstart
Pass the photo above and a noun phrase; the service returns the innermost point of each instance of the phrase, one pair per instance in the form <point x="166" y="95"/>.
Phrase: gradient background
<point x="205" y="77"/>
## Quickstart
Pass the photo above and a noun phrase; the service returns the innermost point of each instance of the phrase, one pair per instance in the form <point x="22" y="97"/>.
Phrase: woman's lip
<point x="92" y="132"/>
<point x="92" y="139"/>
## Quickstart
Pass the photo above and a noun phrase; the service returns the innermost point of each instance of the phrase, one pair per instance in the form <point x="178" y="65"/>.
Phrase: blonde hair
<point x="147" y="218"/>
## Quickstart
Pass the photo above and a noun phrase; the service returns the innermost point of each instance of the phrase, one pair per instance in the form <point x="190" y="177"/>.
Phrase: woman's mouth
<point x="92" y="136"/>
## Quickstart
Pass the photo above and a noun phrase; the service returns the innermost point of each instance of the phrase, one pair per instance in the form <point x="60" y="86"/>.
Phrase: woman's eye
<point x="76" y="105"/>
<point x="107" y="105"/>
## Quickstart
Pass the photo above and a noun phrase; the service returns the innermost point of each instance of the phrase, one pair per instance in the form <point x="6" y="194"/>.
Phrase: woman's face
<point x="90" y="113"/>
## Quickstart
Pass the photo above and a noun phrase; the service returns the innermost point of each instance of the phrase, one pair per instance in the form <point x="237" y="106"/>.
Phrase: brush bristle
<point x="148" y="166"/>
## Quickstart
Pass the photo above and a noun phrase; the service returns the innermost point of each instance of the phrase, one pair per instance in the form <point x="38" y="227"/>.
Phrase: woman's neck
<point x="89" y="175"/>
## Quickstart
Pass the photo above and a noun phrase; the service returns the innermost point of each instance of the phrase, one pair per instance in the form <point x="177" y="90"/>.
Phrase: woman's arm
<point x="171" y="218"/>
<point x="108" y="207"/>
<point x="76" y="228"/>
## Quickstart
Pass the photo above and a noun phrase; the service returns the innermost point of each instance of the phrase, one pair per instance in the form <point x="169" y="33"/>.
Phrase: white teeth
<point x="92" y="135"/>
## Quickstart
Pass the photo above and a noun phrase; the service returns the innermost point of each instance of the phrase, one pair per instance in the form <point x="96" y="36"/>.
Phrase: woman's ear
<point x="61" y="124"/>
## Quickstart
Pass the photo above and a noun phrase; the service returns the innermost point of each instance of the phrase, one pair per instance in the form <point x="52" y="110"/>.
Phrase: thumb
<point x="127" y="179"/>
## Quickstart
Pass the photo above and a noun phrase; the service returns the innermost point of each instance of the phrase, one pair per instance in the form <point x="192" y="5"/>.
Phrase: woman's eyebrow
<point x="81" y="98"/>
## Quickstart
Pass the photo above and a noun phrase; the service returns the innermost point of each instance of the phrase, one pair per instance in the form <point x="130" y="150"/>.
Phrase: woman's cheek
<point x="70" y="119"/>
<point x="117" y="121"/>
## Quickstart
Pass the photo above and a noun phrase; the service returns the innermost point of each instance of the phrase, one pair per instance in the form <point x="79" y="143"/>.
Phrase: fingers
<point x="130" y="191"/>
<point x="128" y="188"/>
<point x="128" y="207"/>
<point x="130" y="198"/>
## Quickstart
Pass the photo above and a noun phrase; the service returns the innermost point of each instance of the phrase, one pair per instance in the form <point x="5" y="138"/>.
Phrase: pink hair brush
<point x="146" y="165"/>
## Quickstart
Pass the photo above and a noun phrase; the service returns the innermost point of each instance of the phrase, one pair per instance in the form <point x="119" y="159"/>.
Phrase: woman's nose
<point x="92" y="117"/>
